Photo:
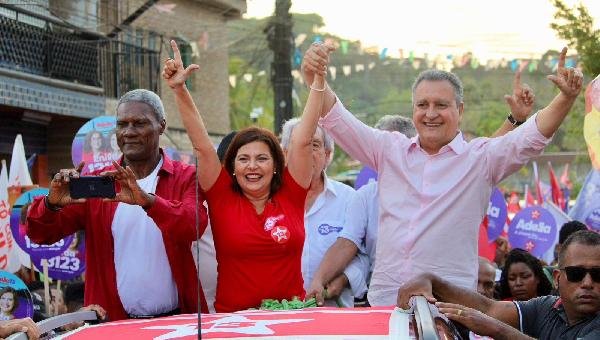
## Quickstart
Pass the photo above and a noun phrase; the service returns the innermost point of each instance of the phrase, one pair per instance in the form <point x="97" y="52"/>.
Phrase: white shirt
<point x="144" y="279"/>
<point x="362" y="220"/>
<point x="323" y="223"/>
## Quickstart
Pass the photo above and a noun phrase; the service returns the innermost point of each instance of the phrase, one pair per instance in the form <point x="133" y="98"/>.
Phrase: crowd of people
<point x="282" y="228"/>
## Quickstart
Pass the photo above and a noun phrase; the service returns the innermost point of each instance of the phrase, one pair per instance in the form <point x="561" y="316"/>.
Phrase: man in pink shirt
<point x="434" y="188"/>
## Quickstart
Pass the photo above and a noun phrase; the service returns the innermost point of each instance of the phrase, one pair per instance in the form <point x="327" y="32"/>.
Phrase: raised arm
<point x="569" y="81"/>
<point x="175" y="76"/>
<point x="315" y="62"/>
<point x="299" y="154"/>
<point x="520" y="103"/>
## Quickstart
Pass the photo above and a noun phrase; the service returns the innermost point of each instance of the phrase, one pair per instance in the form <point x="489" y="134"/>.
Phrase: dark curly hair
<point x="521" y="256"/>
<point x="256" y="134"/>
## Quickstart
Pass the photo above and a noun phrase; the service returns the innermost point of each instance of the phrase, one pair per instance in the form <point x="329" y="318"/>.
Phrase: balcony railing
<point x="60" y="51"/>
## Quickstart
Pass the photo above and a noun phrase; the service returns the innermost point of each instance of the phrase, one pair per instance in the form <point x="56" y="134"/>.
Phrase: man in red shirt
<point x="139" y="262"/>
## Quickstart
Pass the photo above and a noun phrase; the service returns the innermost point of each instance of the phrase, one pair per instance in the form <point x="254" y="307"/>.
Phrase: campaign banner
<point x="9" y="256"/>
<point x="365" y="175"/>
<point x="533" y="229"/>
<point x="15" y="298"/>
<point x="314" y="323"/>
<point x="497" y="212"/>
<point x="68" y="265"/>
<point x="593" y="220"/>
<point x="587" y="206"/>
<point x="591" y="122"/>
<point x="560" y="218"/>
<point x="18" y="226"/>
<point x="96" y="144"/>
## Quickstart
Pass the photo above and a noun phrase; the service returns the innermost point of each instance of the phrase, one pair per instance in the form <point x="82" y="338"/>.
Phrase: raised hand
<point x="522" y="99"/>
<point x="569" y="80"/>
<point x="59" y="195"/>
<point x="315" y="61"/>
<point x="174" y="72"/>
<point x="130" y="193"/>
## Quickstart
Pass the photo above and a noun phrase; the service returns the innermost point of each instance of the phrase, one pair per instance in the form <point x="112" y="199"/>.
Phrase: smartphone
<point x="92" y="186"/>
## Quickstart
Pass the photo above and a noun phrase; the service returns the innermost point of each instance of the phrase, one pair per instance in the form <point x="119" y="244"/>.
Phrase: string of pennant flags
<point x="446" y="62"/>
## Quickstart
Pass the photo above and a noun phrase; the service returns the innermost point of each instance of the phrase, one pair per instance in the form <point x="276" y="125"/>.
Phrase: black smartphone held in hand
<point x="92" y="187"/>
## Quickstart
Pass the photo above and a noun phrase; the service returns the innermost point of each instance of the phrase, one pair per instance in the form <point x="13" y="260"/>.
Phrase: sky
<point x="490" y="29"/>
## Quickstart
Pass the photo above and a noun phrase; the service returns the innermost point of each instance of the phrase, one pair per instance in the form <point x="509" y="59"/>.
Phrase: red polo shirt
<point x="258" y="255"/>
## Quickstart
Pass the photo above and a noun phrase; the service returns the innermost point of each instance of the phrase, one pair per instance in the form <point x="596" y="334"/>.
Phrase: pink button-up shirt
<point x="430" y="205"/>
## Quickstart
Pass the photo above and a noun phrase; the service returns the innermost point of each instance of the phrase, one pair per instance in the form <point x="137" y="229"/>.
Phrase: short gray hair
<point x="286" y="135"/>
<point x="147" y="97"/>
<point x="397" y="123"/>
<point x="439" y="75"/>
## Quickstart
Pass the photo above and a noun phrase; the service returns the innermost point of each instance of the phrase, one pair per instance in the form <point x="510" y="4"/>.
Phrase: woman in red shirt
<point x="255" y="200"/>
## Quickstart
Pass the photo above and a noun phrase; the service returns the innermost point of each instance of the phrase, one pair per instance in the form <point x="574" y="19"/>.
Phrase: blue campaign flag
<point x="560" y="218"/>
<point x="587" y="206"/>
<point x="567" y="195"/>
<point x="31" y="162"/>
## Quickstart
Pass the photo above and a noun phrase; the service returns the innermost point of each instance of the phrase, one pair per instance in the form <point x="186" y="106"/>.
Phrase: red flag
<point x="486" y="248"/>
<point x="564" y="178"/>
<point x="529" y="200"/>
<point x="557" y="194"/>
<point x="513" y="203"/>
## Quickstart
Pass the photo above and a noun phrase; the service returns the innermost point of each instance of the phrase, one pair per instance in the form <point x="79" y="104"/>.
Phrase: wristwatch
<point x="513" y="121"/>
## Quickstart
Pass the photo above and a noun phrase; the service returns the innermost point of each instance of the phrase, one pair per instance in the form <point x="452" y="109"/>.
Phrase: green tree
<point x="576" y="25"/>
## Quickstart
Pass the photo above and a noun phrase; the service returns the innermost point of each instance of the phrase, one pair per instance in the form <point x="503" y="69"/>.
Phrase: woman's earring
<point x="233" y="174"/>
<point x="274" y="172"/>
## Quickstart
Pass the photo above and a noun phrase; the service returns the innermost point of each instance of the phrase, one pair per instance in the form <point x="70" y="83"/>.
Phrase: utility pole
<point x="279" y="35"/>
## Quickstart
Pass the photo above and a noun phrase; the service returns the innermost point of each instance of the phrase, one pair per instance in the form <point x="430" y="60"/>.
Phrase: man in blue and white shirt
<point x="325" y="217"/>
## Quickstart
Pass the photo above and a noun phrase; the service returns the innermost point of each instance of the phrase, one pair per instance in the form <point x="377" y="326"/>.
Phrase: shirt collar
<point x="457" y="144"/>
<point x="329" y="184"/>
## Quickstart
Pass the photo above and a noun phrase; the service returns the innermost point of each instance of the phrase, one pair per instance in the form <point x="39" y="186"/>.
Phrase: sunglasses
<point x="576" y="273"/>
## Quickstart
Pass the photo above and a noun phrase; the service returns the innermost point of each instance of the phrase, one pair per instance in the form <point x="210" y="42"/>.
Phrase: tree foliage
<point x="576" y="26"/>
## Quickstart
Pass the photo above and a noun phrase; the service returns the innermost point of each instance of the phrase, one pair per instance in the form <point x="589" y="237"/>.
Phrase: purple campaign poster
<point x="365" y="175"/>
<point x="593" y="220"/>
<point x="68" y="265"/>
<point x="96" y="144"/>
<point x="15" y="298"/>
<point x="18" y="226"/>
<point x="533" y="229"/>
<point x="496" y="213"/>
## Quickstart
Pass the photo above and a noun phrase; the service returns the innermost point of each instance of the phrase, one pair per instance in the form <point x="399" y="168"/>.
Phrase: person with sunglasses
<point x="574" y="314"/>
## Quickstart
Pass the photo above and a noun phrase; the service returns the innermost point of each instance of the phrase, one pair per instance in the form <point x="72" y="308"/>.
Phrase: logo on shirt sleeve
<point x="325" y="229"/>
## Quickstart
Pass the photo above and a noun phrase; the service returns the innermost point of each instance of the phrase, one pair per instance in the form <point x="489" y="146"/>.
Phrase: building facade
<point x="64" y="62"/>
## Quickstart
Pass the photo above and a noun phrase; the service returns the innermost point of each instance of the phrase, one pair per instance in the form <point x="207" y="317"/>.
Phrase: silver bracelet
<point x="318" y="90"/>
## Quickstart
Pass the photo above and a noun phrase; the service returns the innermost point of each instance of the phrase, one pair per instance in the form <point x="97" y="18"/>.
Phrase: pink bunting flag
<point x="203" y="40"/>
<point x="166" y="8"/>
